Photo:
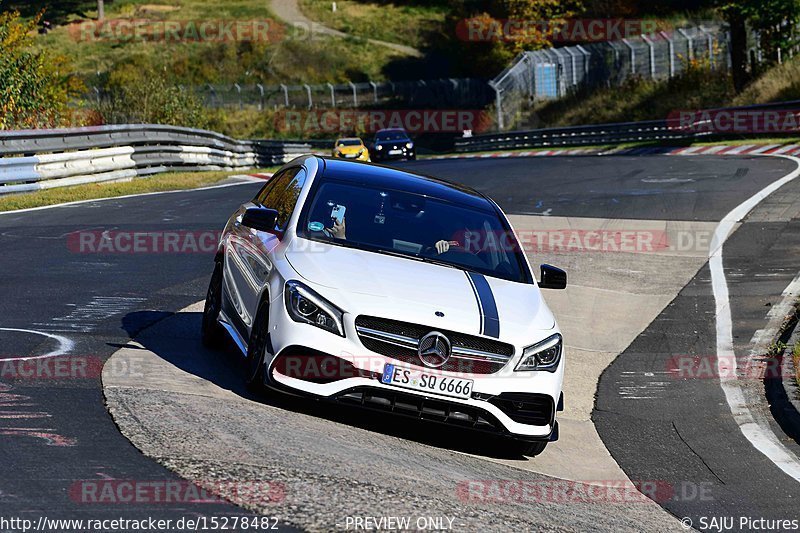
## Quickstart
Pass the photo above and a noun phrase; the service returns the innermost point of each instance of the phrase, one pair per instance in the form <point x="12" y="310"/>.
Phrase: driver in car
<point x="339" y="231"/>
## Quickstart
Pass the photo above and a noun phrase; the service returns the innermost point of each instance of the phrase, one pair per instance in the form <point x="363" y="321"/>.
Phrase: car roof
<point x="349" y="139"/>
<point x="391" y="130"/>
<point x="391" y="178"/>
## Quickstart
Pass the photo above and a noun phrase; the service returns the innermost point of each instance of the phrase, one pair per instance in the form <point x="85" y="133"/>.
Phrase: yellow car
<point x="351" y="148"/>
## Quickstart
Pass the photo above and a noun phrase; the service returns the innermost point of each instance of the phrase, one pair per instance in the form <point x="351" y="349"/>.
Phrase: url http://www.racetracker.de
<point x="193" y="523"/>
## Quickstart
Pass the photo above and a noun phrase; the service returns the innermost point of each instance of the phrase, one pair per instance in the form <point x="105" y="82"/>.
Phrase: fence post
<point x="689" y="43"/>
<point x="374" y="91"/>
<point x="710" y="41"/>
<point x="671" y="46"/>
<point x="239" y="93"/>
<point x="260" y="96"/>
<point x="498" y="104"/>
<point x="308" y="92"/>
<point x="213" y="93"/>
<point x="285" y="94"/>
<point x="355" y="96"/>
<point x="652" y="54"/>
<point x="586" y="56"/>
<point x="574" y="67"/>
<point x="633" y="55"/>
<point x="333" y="96"/>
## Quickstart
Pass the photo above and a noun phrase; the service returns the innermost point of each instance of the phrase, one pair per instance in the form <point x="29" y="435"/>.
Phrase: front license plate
<point x="422" y="381"/>
<point x="395" y="152"/>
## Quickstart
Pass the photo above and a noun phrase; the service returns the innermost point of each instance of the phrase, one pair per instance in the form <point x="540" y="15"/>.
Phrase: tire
<point x="211" y="332"/>
<point x="528" y="448"/>
<point x="256" y="348"/>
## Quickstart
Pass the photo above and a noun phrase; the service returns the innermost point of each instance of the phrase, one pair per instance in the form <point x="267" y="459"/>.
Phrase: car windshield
<point x="420" y="227"/>
<point x="391" y="136"/>
<point x="349" y="142"/>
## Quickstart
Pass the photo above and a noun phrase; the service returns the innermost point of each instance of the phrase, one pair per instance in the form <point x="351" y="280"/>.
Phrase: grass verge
<point x="411" y="24"/>
<point x="796" y="357"/>
<point x="169" y="181"/>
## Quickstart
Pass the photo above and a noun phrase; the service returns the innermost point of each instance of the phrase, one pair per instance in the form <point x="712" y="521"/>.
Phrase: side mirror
<point x="260" y="218"/>
<point x="552" y="278"/>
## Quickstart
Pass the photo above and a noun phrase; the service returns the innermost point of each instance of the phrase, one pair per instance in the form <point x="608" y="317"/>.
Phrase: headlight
<point x="305" y="305"/>
<point x="543" y="355"/>
<point x="378" y="147"/>
<point x="409" y="145"/>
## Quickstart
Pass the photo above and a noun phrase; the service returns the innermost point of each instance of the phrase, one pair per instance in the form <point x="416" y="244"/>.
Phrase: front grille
<point x="525" y="408"/>
<point x="422" y="408"/>
<point x="471" y="354"/>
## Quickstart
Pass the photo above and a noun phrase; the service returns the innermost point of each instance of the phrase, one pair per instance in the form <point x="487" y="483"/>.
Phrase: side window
<point x="282" y="194"/>
<point x="278" y="180"/>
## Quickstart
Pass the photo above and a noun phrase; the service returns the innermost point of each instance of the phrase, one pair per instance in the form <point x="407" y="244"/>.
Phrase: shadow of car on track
<point x="176" y="340"/>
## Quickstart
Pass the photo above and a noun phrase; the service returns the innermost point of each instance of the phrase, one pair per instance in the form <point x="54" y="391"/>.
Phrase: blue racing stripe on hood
<point x="490" y="320"/>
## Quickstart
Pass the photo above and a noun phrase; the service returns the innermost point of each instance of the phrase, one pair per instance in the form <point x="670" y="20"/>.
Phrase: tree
<point x="775" y="21"/>
<point x="483" y="41"/>
<point x="33" y="93"/>
<point x="101" y="10"/>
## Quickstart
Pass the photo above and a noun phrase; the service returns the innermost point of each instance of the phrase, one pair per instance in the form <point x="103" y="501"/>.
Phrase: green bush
<point x="135" y="93"/>
<point x="35" y="86"/>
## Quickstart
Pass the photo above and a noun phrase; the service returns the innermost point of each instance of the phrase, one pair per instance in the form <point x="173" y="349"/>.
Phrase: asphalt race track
<point x="58" y="437"/>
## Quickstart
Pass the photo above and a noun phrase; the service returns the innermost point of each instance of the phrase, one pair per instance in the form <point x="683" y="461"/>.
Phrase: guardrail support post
<point x="308" y="92"/>
<point x="355" y="96"/>
<point x="261" y="96"/>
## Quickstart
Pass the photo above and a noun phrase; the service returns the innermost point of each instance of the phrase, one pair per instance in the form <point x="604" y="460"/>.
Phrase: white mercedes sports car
<point x="386" y="289"/>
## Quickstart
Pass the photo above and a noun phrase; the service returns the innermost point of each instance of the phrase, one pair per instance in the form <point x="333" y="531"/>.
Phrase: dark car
<point x="392" y="144"/>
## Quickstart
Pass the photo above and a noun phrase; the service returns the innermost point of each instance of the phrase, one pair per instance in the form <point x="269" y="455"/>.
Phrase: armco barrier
<point x="600" y="134"/>
<point x="40" y="159"/>
<point x="618" y="133"/>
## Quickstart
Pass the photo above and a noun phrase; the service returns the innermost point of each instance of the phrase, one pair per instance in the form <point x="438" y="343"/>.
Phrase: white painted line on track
<point x="79" y="202"/>
<point x="757" y="432"/>
<point x="65" y="345"/>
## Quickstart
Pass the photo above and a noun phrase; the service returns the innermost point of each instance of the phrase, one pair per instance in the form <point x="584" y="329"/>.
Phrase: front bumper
<point x="521" y="404"/>
<point x="384" y="155"/>
<point x="352" y="156"/>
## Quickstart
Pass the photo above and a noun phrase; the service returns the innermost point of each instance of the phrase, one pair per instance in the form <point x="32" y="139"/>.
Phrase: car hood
<point x="374" y="284"/>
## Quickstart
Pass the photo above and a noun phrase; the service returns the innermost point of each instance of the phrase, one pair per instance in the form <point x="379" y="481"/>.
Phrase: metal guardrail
<point x="32" y="160"/>
<point x="657" y="130"/>
<point x="617" y="133"/>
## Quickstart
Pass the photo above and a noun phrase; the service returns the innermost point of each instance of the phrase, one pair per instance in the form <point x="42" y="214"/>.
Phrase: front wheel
<point x="211" y="332"/>
<point x="257" y="348"/>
